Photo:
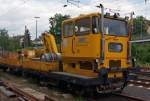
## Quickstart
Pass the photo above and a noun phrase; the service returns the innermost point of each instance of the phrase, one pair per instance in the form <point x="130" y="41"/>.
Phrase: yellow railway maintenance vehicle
<point x="94" y="55"/>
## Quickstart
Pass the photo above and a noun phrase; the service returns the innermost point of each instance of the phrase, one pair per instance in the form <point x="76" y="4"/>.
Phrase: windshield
<point x="115" y="27"/>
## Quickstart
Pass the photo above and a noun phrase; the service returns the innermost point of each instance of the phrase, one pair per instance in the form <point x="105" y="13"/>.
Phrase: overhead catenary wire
<point x="74" y="2"/>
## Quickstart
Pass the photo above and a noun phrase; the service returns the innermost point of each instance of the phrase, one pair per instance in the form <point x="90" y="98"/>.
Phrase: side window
<point x="82" y="26"/>
<point x="95" y="24"/>
<point x="68" y="29"/>
<point x="115" y="47"/>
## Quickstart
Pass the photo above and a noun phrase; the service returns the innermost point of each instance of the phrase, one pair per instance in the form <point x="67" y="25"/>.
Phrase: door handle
<point x="73" y="43"/>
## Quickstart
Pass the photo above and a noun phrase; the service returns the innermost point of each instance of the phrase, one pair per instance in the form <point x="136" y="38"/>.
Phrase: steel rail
<point x="131" y="97"/>
<point x="140" y="82"/>
<point x="19" y="93"/>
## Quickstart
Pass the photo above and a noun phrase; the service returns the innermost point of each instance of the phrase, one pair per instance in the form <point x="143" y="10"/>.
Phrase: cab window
<point x="95" y="24"/>
<point x="82" y="26"/>
<point x="68" y="29"/>
<point x="115" y="27"/>
<point x="115" y="47"/>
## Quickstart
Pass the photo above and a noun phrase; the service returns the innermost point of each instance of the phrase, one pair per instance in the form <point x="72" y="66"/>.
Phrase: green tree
<point x="139" y="26"/>
<point x="14" y="44"/>
<point x="8" y="43"/>
<point x="141" y="52"/>
<point x="4" y="39"/>
<point x="55" y="25"/>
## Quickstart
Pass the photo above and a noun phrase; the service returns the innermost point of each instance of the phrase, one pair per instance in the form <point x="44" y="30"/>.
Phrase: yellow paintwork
<point x="39" y="52"/>
<point x="49" y="43"/>
<point x="74" y="51"/>
<point x="11" y="62"/>
<point x="29" y="53"/>
<point x="28" y="64"/>
<point x="40" y="66"/>
<point x="116" y="55"/>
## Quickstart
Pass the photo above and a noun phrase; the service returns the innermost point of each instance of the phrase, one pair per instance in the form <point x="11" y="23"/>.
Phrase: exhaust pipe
<point x="102" y="32"/>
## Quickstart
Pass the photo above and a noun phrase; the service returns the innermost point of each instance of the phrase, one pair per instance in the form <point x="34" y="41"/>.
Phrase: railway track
<point x="143" y="71"/>
<point x="140" y="83"/>
<point x="10" y="92"/>
<point x="142" y="77"/>
<point x="147" y="74"/>
<point x="116" y="97"/>
<point x="130" y="98"/>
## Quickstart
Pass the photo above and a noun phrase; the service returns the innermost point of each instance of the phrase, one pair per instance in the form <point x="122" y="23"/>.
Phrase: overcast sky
<point x="15" y="14"/>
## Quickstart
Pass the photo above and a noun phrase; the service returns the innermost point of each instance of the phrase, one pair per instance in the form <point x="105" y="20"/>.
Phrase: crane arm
<point x="49" y="43"/>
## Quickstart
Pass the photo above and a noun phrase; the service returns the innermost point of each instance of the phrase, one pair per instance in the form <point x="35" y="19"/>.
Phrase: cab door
<point x="68" y="39"/>
<point x="87" y="38"/>
<point x="82" y="37"/>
